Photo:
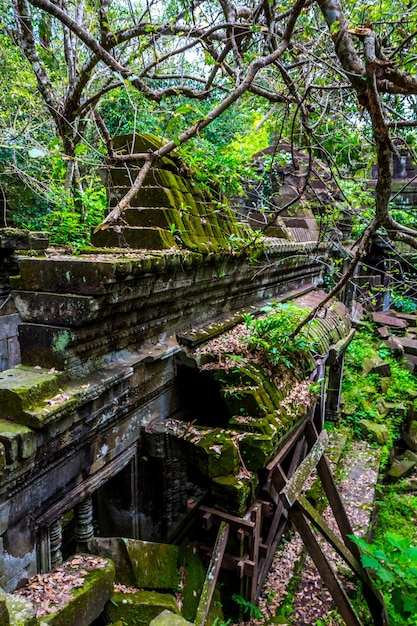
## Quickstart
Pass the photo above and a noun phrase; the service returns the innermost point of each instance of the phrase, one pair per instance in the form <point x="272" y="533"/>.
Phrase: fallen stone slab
<point x="409" y="317"/>
<point x="409" y="345"/>
<point x="141" y="564"/>
<point x="395" y="346"/>
<point x="376" y="365"/>
<point x="373" y="431"/>
<point x="402" y="467"/>
<point x="389" y="320"/>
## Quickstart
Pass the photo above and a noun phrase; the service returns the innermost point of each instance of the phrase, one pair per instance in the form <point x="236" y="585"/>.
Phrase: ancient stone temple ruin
<point x="127" y="408"/>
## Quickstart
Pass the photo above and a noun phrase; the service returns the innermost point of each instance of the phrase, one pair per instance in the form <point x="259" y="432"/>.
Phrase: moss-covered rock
<point x="215" y="453"/>
<point x="140" y="608"/>
<point x="234" y="493"/>
<point x="23" y="388"/>
<point x="154" y="564"/>
<point x="88" y="600"/>
<point x="402" y="467"/>
<point x="167" y="618"/>
<point x="374" y="431"/>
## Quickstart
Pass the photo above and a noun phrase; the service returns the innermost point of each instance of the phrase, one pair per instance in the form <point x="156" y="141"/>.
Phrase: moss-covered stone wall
<point x="171" y="210"/>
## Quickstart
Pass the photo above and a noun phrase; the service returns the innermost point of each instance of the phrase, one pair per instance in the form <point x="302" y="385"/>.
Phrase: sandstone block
<point x="376" y="432"/>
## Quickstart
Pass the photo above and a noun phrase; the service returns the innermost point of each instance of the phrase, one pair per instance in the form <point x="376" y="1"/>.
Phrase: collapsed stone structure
<point x="113" y="414"/>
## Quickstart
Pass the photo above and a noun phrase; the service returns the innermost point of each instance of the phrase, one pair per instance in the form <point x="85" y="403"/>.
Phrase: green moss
<point x="257" y="450"/>
<point x="88" y="601"/>
<point x="234" y="493"/>
<point x="154" y="564"/>
<point x="215" y="453"/>
<point x="195" y="574"/>
<point x="22" y="388"/>
<point x="140" y="608"/>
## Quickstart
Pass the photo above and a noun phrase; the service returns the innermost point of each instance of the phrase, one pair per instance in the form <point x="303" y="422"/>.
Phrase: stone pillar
<point x="84" y="530"/>
<point x="55" y="543"/>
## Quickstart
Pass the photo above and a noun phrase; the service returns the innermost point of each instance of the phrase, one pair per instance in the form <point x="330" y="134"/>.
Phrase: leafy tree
<point x="334" y="78"/>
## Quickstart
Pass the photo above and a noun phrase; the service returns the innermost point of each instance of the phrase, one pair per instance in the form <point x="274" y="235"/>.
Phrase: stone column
<point x="84" y="530"/>
<point x="55" y="543"/>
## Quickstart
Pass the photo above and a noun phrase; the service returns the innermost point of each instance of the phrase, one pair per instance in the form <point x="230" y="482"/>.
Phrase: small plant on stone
<point x="272" y="334"/>
<point x="251" y="609"/>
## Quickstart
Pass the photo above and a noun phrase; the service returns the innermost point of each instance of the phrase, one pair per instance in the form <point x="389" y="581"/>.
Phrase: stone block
<point x="88" y="600"/>
<point x="167" y="618"/>
<point x="234" y="494"/>
<point x="19" y="441"/>
<point x="383" y="332"/>
<point x="374" y="431"/>
<point x="410" y="435"/>
<point x="155" y="565"/>
<point x="139" y="238"/>
<point x="394" y="345"/>
<point x="409" y="345"/>
<point x="139" y="608"/>
<point x="13" y="351"/>
<point x="402" y="467"/>
<point x="23" y="388"/>
<point x="8" y="326"/>
<point x="389" y="320"/>
<point x="214" y="453"/>
<point x="410" y="318"/>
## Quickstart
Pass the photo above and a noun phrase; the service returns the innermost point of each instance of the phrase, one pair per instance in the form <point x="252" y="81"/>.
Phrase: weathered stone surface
<point x="410" y="318"/>
<point x="154" y="564"/>
<point x="60" y="309"/>
<point x="21" y="611"/>
<point x="138" y="238"/>
<point x="383" y="369"/>
<point x="23" y="388"/>
<point x="402" y="467"/>
<point x="383" y="332"/>
<point x="139" y="608"/>
<point x="167" y="618"/>
<point x="88" y="601"/>
<point x="409" y="345"/>
<point x="19" y="239"/>
<point x="373" y="431"/>
<point x="410" y="435"/>
<point x="394" y="345"/>
<point x="19" y="441"/>
<point x="389" y="320"/>
<point x="234" y="493"/>
<point x="215" y="453"/>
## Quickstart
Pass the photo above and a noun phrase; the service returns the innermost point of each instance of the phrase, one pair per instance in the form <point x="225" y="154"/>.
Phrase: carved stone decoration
<point x="84" y="529"/>
<point x="55" y="543"/>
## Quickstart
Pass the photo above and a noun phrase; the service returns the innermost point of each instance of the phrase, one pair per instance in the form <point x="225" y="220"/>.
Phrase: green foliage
<point x="272" y="334"/>
<point x="403" y="304"/>
<point x="365" y="395"/>
<point x="395" y="568"/>
<point x="253" y="611"/>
